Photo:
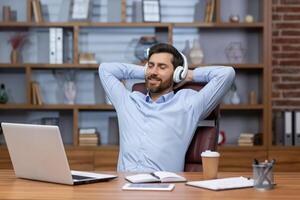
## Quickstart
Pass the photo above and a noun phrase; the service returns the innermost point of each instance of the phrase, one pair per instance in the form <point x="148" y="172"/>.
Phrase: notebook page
<point x="223" y="183"/>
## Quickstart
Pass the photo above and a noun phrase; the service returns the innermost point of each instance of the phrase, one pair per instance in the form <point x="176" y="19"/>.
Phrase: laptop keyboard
<point x="77" y="177"/>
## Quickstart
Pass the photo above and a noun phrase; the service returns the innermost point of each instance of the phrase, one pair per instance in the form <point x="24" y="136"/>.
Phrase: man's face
<point x="159" y="74"/>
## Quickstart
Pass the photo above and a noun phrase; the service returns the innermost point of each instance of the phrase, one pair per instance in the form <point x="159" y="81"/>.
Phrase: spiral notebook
<point x="223" y="183"/>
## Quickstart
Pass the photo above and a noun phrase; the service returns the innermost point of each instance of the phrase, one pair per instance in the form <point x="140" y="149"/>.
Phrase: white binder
<point x="52" y="48"/>
<point x="288" y="128"/>
<point x="297" y="128"/>
<point x="59" y="45"/>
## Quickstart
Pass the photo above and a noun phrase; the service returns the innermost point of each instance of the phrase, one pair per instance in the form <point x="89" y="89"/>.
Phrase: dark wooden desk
<point x="288" y="187"/>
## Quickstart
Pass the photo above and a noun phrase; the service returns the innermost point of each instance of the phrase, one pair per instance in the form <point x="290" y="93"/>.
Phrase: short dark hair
<point x="167" y="48"/>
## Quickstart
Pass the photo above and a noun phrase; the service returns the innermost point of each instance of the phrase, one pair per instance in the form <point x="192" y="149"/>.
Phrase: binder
<point x="56" y="45"/>
<point x="288" y="128"/>
<point x="278" y="131"/>
<point x="297" y="128"/>
<point x="52" y="45"/>
<point x="59" y="45"/>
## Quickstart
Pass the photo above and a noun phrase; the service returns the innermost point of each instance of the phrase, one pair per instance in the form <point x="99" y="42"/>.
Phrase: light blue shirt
<point x="154" y="136"/>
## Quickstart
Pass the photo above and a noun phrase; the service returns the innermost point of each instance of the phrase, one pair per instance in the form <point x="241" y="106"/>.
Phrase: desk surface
<point x="288" y="187"/>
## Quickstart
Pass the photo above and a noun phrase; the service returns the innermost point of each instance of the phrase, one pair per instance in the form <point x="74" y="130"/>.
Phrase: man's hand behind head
<point x="188" y="78"/>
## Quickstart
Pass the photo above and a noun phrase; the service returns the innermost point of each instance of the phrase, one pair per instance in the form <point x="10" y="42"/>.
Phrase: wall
<point x="286" y="54"/>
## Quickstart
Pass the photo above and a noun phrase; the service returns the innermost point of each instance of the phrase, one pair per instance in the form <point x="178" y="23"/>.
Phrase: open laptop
<point x="37" y="153"/>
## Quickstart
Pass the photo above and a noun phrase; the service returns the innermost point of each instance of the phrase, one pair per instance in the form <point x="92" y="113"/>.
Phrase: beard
<point x="160" y="86"/>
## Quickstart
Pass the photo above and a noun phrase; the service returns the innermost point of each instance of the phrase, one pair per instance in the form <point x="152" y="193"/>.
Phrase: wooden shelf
<point x="103" y="107"/>
<point x="130" y="24"/>
<point x="107" y="107"/>
<point x="220" y="25"/>
<point x="99" y="147"/>
<point x="81" y="24"/>
<point x="242" y="107"/>
<point x="281" y="147"/>
<point x="49" y="66"/>
<point x="247" y="66"/>
<point x="110" y="107"/>
<point x="71" y="147"/>
<point x="236" y="147"/>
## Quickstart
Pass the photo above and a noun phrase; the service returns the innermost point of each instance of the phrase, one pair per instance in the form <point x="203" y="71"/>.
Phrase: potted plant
<point x="16" y="41"/>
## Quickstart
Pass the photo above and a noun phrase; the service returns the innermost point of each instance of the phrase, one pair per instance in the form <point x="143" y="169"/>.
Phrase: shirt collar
<point x="161" y="99"/>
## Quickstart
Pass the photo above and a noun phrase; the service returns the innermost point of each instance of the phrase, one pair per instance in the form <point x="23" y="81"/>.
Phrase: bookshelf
<point x="109" y="40"/>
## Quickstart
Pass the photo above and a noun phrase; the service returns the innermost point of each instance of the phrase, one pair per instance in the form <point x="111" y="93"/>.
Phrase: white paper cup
<point x="210" y="163"/>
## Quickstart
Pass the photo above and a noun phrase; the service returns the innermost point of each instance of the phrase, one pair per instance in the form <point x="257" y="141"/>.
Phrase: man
<point x="156" y="129"/>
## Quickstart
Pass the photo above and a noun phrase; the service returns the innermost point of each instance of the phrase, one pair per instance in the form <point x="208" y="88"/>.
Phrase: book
<point x="211" y="11"/>
<point x="6" y="13"/>
<point x="38" y="93"/>
<point x="36" y="96"/>
<point x="223" y="183"/>
<point x="87" y="58"/>
<point x="155" y="177"/>
<point x="199" y="14"/>
<point x="87" y="130"/>
<point x="37" y="10"/>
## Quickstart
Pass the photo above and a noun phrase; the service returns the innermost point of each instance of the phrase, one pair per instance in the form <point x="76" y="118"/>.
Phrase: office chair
<point x="205" y="136"/>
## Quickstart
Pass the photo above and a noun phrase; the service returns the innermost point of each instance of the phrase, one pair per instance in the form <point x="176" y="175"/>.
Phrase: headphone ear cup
<point x="177" y="74"/>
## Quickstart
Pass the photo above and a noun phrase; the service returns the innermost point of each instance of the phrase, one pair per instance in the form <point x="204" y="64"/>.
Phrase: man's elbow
<point x="230" y="73"/>
<point x="103" y="67"/>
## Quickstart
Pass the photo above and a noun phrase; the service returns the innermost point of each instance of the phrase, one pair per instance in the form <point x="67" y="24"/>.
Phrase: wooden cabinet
<point x="115" y="41"/>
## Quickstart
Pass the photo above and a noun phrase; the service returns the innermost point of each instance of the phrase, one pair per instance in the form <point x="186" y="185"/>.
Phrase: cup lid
<point x="209" y="153"/>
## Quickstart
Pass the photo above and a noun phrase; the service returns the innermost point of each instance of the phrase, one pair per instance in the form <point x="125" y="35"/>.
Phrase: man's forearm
<point x="123" y="71"/>
<point x="206" y="74"/>
<point x="111" y="75"/>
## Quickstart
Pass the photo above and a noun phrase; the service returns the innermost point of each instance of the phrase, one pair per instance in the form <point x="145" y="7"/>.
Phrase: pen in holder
<point x="263" y="175"/>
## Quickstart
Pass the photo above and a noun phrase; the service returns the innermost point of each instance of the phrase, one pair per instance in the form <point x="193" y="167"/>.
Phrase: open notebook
<point x="223" y="183"/>
<point x="160" y="176"/>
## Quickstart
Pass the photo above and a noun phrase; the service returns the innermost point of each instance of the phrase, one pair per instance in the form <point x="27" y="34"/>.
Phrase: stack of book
<point x="209" y="11"/>
<point x="246" y="139"/>
<point x="87" y="58"/>
<point x="36" y="96"/>
<point x="88" y="137"/>
<point x="8" y="14"/>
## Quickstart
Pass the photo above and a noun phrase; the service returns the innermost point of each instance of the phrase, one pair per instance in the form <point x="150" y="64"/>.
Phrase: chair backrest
<point x="205" y="136"/>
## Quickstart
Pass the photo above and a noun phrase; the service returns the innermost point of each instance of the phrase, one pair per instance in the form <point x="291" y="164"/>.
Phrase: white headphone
<point x="180" y="72"/>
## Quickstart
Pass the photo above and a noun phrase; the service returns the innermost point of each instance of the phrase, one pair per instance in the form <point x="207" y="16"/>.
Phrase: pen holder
<point x="263" y="176"/>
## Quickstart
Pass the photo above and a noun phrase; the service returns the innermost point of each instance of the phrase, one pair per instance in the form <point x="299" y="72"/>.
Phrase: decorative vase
<point x="70" y="92"/>
<point x="252" y="97"/>
<point x="235" y="99"/>
<point x="14" y="54"/>
<point x="3" y="94"/>
<point x="235" y="53"/>
<point x="196" y="53"/>
<point x="143" y="44"/>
